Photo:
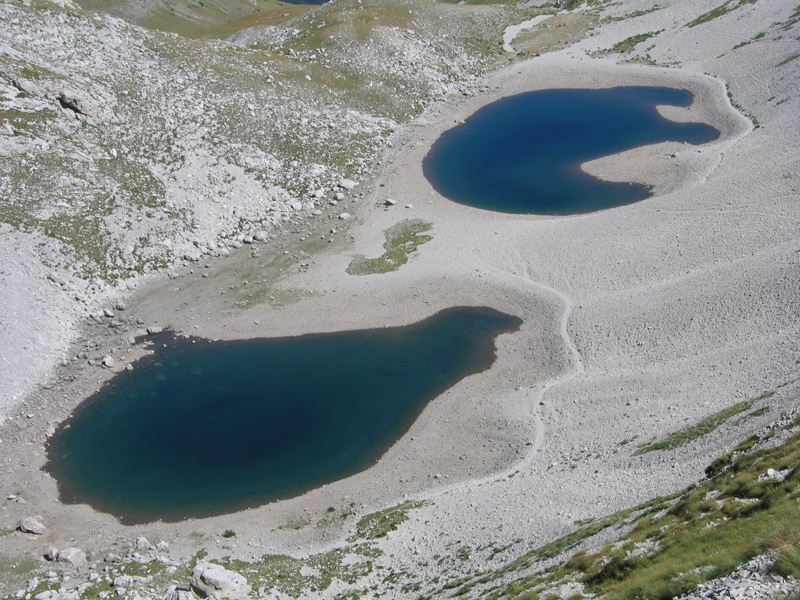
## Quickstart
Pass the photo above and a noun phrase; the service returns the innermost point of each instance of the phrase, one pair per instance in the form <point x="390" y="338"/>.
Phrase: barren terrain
<point x="638" y="320"/>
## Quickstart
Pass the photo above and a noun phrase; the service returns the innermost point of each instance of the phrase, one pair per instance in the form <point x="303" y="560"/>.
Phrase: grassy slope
<point x="199" y="18"/>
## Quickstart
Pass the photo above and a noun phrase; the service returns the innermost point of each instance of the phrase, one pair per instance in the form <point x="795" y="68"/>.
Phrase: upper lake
<point x="522" y="154"/>
<point x="201" y="428"/>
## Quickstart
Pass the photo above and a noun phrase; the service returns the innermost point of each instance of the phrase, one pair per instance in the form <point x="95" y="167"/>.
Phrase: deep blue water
<point x="522" y="154"/>
<point x="202" y="428"/>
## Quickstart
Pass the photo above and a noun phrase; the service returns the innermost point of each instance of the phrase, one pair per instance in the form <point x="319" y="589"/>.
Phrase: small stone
<point x="108" y="361"/>
<point x="344" y="216"/>
<point x="121" y="306"/>
<point x="129" y="367"/>
<point x="56" y="278"/>
<point x="52" y="554"/>
<point x="31" y="525"/>
<point x="347" y="184"/>
<point x="390" y="202"/>
<point x="154" y="329"/>
<point x="108" y="313"/>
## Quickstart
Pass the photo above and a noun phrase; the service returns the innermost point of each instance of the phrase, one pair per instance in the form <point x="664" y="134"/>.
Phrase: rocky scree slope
<point x="126" y="151"/>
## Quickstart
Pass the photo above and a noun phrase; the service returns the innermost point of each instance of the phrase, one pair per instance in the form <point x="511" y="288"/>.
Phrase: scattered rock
<point x="31" y="525"/>
<point x="347" y="184"/>
<point x="56" y="278"/>
<point x="108" y="361"/>
<point x="52" y="554"/>
<point x="121" y="306"/>
<point x="154" y="329"/>
<point x="209" y="579"/>
<point x="344" y="216"/>
<point x="390" y="202"/>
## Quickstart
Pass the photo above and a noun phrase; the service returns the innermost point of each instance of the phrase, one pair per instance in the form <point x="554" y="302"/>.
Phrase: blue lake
<point x="523" y="153"/>
<point x="202" y="428"/>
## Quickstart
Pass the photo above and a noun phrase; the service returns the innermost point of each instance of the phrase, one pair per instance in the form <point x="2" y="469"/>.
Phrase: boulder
<point x="175" y="593"/>
<point x="347" y="184"/>
<point x="31" y="525"/>
<point x="209" y="579"/>
<point x="73" y="556"/>
<point x="141" y="543"/>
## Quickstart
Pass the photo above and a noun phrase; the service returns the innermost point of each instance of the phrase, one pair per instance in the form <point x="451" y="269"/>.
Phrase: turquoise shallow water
<point x="203" y="428"/>
<point x="523" y="153"/>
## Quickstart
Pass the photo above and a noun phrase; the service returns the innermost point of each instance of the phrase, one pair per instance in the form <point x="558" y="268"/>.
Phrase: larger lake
<point x="202" y="428"/>
<point x="523" y="153"/>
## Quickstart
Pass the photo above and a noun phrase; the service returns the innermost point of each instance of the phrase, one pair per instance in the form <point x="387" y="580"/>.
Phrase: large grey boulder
<point x="209" y="579"/>
<point x="73" y="556"/>
<point x="31" y="525"/>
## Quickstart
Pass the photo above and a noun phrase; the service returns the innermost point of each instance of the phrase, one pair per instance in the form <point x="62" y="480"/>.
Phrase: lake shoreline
<point x="600" y="296"/>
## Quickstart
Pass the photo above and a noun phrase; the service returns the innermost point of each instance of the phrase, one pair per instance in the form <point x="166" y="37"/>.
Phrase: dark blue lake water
<point x="523" y="153"/>
<point x="202" y="428"/>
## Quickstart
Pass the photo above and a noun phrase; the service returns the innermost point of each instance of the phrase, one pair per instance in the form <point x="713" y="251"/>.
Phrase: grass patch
<point x="380" y="524"/>
<point x="556" y="33"/>
<point x="788" y="563"/>
<point x="401" y="240"/>
<point x="719" y="11"/>
<point x="628" y="44"/>
<point x="689" y="434"/>
<point x="788" y="59"/>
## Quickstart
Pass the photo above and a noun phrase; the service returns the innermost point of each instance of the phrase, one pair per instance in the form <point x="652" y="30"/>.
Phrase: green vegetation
<point x="229" y="533"/>
<point x="628" y="44"/>
<point x="788" y="59"/>
<point x="790" y="22"/>
<point x="750" y="505"/>
<point x="200" y="18"/>
<point x="712" y="529"/>
<point x="719" y="11"/>
<point x="380" y="524"/>
<point x="634" y="14"/>
<point x="556" y="33"/>
<point x="788" y="563"/>
<point x="688" y="434"/>
<point x="401" y="240"/>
